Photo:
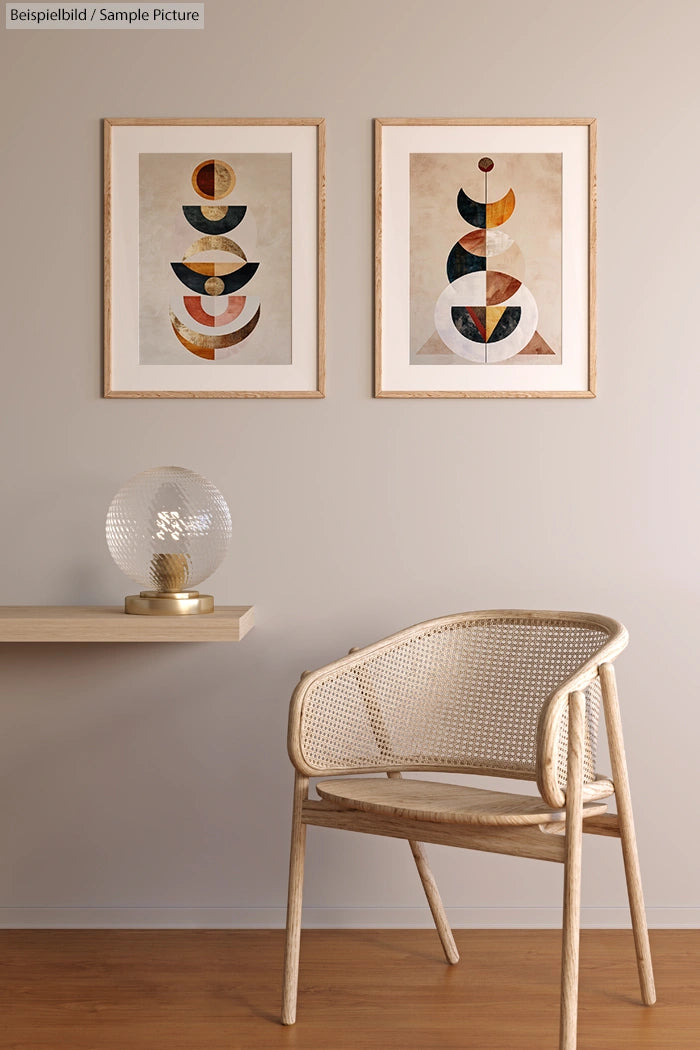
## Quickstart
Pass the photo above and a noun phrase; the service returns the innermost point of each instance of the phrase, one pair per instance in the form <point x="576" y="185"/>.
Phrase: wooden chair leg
<point x="432" y="894"/>
<point x="435" y="903"/>
<point x="294" y="899"/>
<point x="627" y="836"/>
<point x="572" y="873"/>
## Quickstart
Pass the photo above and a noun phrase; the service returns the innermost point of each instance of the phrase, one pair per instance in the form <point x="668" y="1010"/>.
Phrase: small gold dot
<point x="214" y="211"/>
<point x="213" y="286"/>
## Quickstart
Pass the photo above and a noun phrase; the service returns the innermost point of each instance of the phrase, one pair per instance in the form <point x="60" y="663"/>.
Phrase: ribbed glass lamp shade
<point x="168" y="529"/>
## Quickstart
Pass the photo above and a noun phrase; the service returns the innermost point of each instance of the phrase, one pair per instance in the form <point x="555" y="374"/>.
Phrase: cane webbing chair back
<point x="475" y="693"/>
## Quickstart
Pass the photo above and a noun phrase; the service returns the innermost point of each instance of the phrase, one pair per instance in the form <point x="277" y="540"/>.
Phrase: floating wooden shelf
<point x="106" y="623"/>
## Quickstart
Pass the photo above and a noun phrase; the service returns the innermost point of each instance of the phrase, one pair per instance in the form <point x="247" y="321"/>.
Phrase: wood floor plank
<point x="359" y="990"/>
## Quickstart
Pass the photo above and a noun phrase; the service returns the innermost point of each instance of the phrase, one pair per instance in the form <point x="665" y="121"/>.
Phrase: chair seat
<point x="443" y="803"/>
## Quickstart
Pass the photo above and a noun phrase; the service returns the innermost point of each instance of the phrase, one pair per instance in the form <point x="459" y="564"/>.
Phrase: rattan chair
<point x="508" y="693"/>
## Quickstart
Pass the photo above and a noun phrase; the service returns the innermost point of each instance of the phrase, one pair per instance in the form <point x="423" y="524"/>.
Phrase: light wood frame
<point x="392" y="340"/>
<point x="306" y="375"/>
<point x="497" y="827"/>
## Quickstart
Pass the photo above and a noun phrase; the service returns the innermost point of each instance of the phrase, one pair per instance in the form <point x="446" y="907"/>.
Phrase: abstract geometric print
<point x="217" y="308"/>
<point x="502" y="302"/>
<point x="215" y="276"/>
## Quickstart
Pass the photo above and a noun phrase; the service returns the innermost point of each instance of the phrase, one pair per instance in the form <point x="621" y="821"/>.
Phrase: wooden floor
<point x="359" y="990"/>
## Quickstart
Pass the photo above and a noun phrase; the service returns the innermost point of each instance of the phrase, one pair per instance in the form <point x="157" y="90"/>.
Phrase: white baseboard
<point x="332" y="918"/>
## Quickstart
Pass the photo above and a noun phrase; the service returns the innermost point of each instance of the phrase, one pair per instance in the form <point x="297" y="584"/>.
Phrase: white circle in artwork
<point x="470" y="290"/>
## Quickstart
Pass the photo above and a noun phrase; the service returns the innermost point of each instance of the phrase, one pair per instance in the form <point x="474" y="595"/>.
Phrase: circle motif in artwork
<point x="486" y="318"/>
<point x="214" y="286"/>
<point x="213" y="179"/>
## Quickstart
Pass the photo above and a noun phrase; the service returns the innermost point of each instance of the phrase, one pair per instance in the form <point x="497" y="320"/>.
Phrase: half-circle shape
<point x="205" y="346"/>
<point x="195" y="308"/>
<point x="485" y="216"/>
<point x="230" y="282"/>
<point x="214" y="269"/>
<point x="232" y="218"/>
<point x="214" y="244"/>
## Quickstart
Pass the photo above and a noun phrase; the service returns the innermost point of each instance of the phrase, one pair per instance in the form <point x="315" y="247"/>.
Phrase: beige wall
<point x="150" y="784"/>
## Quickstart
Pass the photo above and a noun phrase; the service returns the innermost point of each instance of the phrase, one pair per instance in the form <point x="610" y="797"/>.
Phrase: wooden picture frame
<point x="197" y="211"/>
<point x="463" y="307"/>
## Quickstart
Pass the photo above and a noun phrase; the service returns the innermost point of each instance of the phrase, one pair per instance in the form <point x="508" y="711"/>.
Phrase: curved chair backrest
<point x="482" y="692"/>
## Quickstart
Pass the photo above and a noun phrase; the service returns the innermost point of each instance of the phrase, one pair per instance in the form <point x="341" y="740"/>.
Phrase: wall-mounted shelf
<point x="106" y="623"/>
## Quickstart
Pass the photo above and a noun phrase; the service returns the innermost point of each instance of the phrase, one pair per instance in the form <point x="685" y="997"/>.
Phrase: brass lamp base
<point x="168" y="603"/>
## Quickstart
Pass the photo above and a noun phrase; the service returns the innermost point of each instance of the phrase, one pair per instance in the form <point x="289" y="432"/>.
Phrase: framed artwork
<point x="214" y="258"/>
<point x="485" y="258"/>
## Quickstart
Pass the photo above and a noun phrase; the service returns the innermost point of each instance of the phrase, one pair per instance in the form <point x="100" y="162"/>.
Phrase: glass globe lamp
<point x="168" y="529"/>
